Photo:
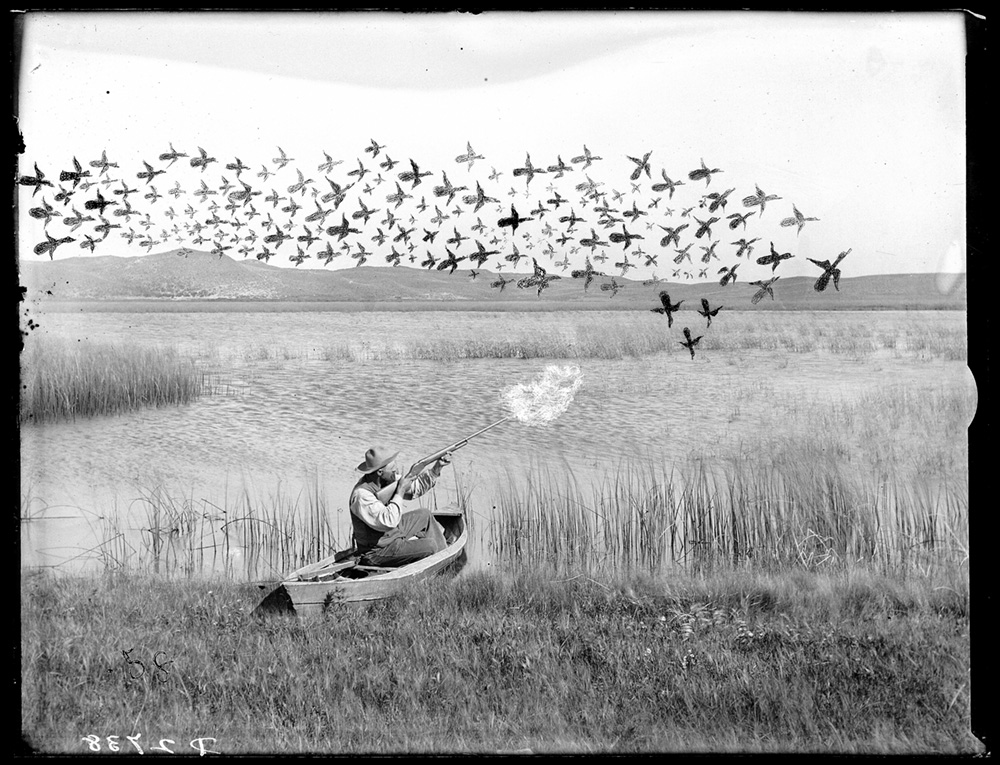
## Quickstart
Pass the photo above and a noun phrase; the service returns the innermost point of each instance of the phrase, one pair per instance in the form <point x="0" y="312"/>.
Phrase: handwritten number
<point x="202" y="751"/>
<point x="162" y="747"/>
<point x="161" y="667"/>
<point x="94" y="742"/>
<point x="142" y="671"/>
<point x="113" y="745"/>
<point x="135" y="741"/>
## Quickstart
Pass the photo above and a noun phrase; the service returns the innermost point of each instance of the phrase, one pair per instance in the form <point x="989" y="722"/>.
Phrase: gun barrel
<point x="464" y="441"/>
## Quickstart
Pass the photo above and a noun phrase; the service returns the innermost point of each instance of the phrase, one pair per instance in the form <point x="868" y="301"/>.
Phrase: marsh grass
<point x="640" y="333"/>
<point x="880" y="479"/>
<point x="846" y="662"/>
<point x="247" y="536"/>
<point x="763" y="516"/>
<point x="62" y="379"/>
<point x="169" y="532"/>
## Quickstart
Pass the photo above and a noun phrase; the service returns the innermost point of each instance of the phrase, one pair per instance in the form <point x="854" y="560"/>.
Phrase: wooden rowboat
<point x="340" y="578"/>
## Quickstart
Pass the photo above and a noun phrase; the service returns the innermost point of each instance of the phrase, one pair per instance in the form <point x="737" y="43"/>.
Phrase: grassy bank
<point x="737" y="661"/>
<point x="63" y="379"/>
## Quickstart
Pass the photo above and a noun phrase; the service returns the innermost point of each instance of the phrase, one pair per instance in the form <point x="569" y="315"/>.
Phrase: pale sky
<point x="856" y="119"/>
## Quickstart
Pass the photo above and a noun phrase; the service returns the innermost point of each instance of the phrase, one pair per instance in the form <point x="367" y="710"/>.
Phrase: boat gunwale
<point x="453" y="550"/>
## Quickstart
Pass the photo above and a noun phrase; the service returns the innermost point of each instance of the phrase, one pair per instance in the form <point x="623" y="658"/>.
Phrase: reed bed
<point x="247" y="536"/>
<point x="763" y="515"/>
<point x="638" y="334"/>
<point x="62" y="379"/>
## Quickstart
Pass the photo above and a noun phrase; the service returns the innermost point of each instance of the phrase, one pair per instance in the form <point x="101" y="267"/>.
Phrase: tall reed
<point x="63" y="379"/>
<point x="763" y="514"/>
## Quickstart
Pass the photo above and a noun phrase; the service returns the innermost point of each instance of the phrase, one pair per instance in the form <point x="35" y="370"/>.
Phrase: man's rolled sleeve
<point x="381" y="517"/>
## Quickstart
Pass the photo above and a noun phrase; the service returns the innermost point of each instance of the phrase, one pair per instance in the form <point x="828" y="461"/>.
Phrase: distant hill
<point x="197" y="275"/>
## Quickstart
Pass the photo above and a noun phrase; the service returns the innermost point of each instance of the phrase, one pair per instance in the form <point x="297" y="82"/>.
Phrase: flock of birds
<point x="401" y="206"/>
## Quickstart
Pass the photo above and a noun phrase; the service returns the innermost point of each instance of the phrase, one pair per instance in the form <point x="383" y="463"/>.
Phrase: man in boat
<point x="383" y="534"/>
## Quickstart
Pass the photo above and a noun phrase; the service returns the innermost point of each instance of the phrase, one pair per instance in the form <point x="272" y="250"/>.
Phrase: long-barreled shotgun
<point x="385" y="494"/>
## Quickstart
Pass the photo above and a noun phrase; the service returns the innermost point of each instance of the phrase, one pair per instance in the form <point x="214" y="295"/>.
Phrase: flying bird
<point x="766" y="288"/>
<point x="501" y="282"/>
<point x="634" y="213"/>
<point x="593" y="242"/>
<point x="571" y="219"/>
<point x="704" y="227"/>
<point x="342" y="230"/>
<point x="673" y="235"/>
<point x="587" y="274"/>
<point x="49" y="246"/>
<point x="829" y="271"/>
<point x="730" y="274"/>
<point x="365" y="212"/>
<point x="641" y="165"/>
<point x="482" y="254"/>
<point x="448" y="189"/>
<point x="667" y="184"/>
<point x="101" y="163"/>
<point x="414" y="175"/>
<point x="707" y="312"/>
<point x="625" y="237"/>
<point x="515" y="256"/>
<point x="703" y="173"/>
<point x="514" y="220"/>
<point x="667" y="307"/>
<point x="76" y="220"/>
<point x="374" y="149"/>
<point x="329" y="163"/>
<point x="709" y="253"/>
<point x="529" y="170"/>
<point x="46" y="212"/>
<point x="469" y="157"/>
<point x="774" y="259"/>
<point x="75" y="175"/>
<point x="718" y="199"/>
<point x="278" y="237"/>
<point x="745" y="246"/>
<point x="98" y="204"/>
<point x="337" y="193"/>
<point x="457" y="239"/>
<point x="37" y="180"/>
<point x="237" y="167"/>
<point x="798" y="219"/>
<point x="587" y="158"/>
<point x="560" y="168"/>
<point x="203" y="161"/>
<point x="540" y="278"/>
<point x="760" y="198"/>
<point x="394" y="257"/>
<point x="283" y="160"/>
<point x="479" y="199"/>
<point x="301" y="184"/>
<point x="689" y="342"/>
<point x="625" y="265"/>
<point x="172" y="156"/>
<point x="739" y="220"/>
<point x="612" y="287"/>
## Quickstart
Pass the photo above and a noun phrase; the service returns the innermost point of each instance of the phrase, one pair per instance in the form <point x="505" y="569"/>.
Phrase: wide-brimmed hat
<point x="375" y="458"/>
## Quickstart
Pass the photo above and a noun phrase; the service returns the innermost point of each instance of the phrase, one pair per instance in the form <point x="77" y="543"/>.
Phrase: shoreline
<point x="202" y="305"/>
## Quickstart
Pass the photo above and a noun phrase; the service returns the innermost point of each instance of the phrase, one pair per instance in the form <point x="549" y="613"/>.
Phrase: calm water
<point x="289" y="420"/>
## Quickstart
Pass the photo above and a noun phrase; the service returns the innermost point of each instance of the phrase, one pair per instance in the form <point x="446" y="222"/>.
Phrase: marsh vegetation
<point x="794" y="576"/>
